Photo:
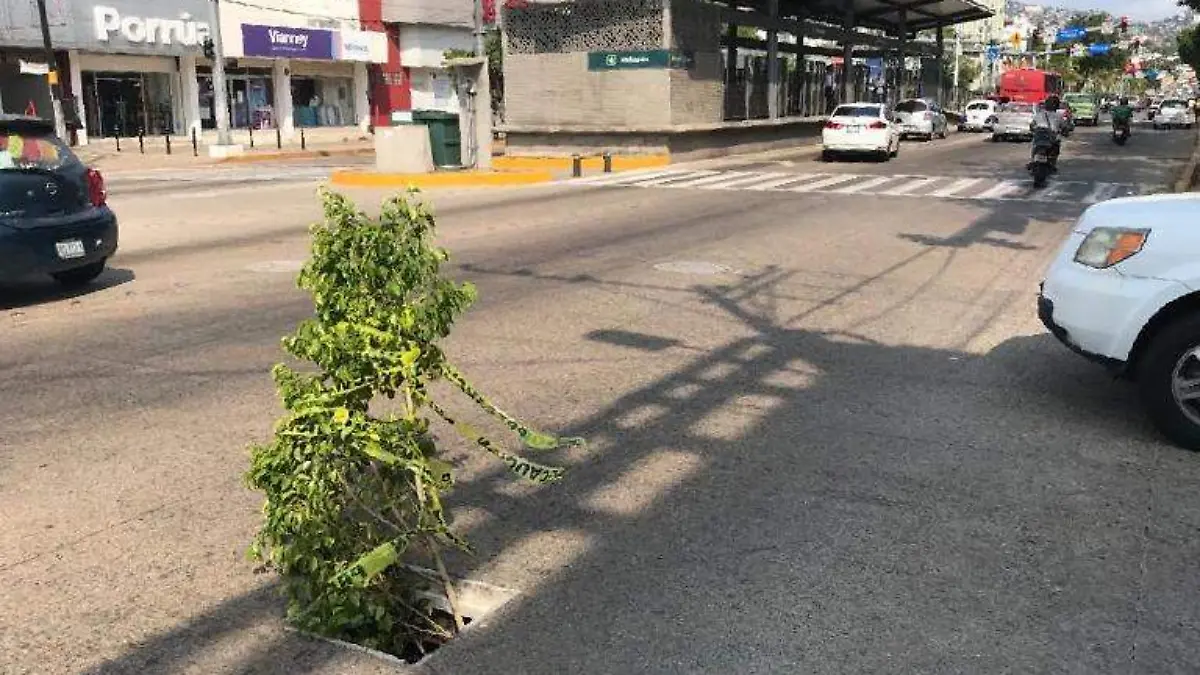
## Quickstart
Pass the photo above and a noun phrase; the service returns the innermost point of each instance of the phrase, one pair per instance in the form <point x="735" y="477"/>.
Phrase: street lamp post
<point x="60" y="125"/>
<point x="220" y="93"/>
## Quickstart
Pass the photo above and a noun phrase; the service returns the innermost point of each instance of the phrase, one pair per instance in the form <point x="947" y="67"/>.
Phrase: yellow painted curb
<point x="367" y="179"/>
<point x="620" y="163"/>
<point x="300" y="154"/>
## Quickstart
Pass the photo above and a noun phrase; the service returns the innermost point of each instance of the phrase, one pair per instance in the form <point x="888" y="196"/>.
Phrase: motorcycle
<point x="1120" y="133"/>
<point x="1045" y="158"/>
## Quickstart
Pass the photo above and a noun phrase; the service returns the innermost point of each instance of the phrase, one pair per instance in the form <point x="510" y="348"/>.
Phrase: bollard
<point x="141" y="142"/>
<point x="608" y="162"/>
<point x="118" y="137"/>
<point x="576" y="166"/>
<point x="167" y="136"/>
<point x="195" y="144"/>
<point x="251" y="130"/>
<point x="278" y="138"/>
<point x="303" y="142"/>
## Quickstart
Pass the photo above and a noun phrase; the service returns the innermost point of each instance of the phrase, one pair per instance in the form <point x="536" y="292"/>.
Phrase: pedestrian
<point x="830" y="89"/>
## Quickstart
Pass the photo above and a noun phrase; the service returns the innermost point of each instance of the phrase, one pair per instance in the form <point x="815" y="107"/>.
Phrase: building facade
<point x="138" y="66"/>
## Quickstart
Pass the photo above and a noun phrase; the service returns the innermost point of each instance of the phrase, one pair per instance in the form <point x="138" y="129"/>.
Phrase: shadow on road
<point x="33" y="292"/>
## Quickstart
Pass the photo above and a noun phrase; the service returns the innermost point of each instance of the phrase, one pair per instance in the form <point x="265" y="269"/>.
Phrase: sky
<point x="1144" y="10"/>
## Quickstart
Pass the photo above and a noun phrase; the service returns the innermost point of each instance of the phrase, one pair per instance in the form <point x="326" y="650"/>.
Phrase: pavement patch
<point x="698" y="268"/>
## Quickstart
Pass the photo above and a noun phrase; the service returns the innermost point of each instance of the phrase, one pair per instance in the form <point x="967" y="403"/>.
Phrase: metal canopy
<point x="881" y="14"/>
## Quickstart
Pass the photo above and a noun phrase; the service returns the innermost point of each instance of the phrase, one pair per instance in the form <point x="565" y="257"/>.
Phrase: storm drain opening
<point x="476" y="601"/>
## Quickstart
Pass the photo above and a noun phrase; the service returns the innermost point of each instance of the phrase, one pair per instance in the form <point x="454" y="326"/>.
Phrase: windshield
<point x="1174" y="104"/>
<point x="21" y="150"/>
<point x="1019" y="108"/>
<point x="856" y="111"/>
<point x="977" y="106"/>
<point x="911" y="106"/>
<point x="1078" y="98"/>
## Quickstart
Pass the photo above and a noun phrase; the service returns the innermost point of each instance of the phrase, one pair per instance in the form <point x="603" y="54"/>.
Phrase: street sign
<point x="1072" y="33"/>
<point x="1099" y="49"/>
<point x="993" y="53"/>
<point x="631" y="60"/>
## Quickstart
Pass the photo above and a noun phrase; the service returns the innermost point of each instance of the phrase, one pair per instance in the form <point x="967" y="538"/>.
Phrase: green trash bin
<point x="444" y="137"/>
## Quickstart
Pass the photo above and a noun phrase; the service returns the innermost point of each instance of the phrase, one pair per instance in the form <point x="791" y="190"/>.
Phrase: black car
<point x="54" y="217"/>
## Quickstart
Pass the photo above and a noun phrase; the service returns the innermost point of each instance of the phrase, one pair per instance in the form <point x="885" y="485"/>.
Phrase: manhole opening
<point x="693" y="267"/>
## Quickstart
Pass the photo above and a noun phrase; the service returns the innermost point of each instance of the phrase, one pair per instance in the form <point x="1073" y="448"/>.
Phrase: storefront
<point x="133" y="65"/>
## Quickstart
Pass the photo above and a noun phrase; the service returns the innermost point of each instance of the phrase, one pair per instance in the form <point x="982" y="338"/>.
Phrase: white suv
<point x="1124" y="290"/>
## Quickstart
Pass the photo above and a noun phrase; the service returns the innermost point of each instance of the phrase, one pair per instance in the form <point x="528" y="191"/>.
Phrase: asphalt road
<point x="827" y="432"/>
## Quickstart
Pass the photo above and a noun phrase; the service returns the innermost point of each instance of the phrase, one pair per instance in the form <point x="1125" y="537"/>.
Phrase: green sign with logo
<point x="633" y="60"/>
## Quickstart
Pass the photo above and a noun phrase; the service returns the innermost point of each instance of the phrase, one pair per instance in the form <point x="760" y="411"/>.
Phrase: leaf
<point x="443" y="472"/>
<point x="535" y="440"/>
<point x="376" y="451"/>
<point x="375" y="562"/>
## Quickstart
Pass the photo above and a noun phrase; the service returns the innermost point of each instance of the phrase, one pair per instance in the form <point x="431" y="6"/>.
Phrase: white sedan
<point x="861" y="128"/>
<point x="1174" y="112"/>
<point x="1124" y="291"/>
<point x="978" y="115"/>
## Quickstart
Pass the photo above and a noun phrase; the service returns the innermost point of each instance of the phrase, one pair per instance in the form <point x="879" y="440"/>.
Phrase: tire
<point x="80" y="276"/>
<point x="827" y="156"/>
<point x="1156" y="375"/>
<point x="995" y="138"/>
<point x="896" y="150"/>
<point x="1041" y="172"/>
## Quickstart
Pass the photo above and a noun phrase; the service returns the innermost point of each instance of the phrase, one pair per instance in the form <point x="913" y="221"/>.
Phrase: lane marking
<point x="704" y="178"/>
<point x="687" y="179"/>
<point x="1056" y="192"/>
<point x="617" y="178"/>
<point x="1005" y="189"/>
<point x="1102" y="193"/>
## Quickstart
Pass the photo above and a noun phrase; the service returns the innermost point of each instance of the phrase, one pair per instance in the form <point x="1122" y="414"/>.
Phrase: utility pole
<point x="60" y="126"/>
<point x="957" y="58"/>
<point x="479" y="47"/>
<point x="220" y="93"/>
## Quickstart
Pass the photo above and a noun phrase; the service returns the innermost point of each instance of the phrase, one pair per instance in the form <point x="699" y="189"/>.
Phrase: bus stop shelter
<point x="698" y="78"/>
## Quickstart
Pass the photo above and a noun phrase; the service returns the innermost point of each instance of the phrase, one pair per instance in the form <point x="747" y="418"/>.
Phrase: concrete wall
<point x="459" y="13"/>
<point x="697" y="94"/>
<point x="426" y="46"/>
<point x="558" y="90"/>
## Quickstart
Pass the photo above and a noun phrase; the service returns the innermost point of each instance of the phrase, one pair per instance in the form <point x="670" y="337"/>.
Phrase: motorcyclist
<point x="1047" y="128"/>
<point x="1122" y="114"/>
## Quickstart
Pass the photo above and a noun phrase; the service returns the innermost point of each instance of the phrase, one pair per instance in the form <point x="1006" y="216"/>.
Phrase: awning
<point x="881" y="14"/>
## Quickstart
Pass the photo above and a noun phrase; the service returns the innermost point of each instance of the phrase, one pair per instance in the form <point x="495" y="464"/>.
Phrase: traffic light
<point x="210" y="49"/>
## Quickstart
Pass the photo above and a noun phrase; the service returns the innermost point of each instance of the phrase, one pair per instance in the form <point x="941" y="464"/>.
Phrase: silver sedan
<point x="1012" y="121"/>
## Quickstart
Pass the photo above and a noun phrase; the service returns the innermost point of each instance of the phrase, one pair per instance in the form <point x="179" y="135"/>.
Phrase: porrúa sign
<point x="633" y="60"/>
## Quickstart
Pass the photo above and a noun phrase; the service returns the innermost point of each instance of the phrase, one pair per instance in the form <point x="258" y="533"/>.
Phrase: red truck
<point x="1029" y="85"/>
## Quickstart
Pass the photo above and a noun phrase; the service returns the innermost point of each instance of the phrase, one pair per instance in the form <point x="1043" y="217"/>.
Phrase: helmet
<point x="1051" y="103"/>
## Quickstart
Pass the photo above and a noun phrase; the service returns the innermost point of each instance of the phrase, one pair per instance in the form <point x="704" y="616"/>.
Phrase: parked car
<point x="1175" y="112"/>
<point x="861" y="128"/>
<point x="1012" y="121"/>
<point x="921" y="117"/>
<point x="1124" y="290"/>
<point x="54" y="217"/>
<point x="977" y="116"/>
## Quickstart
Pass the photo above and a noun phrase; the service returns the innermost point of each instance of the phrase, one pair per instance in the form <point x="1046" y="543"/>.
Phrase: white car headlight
<point x="1107" y="246"/>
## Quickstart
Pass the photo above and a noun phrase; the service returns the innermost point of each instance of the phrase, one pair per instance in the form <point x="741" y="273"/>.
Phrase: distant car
<point x="861" y="128"/>
<point x="1085" y="108"/>
<point x="1012" y="121"/>
<point x="1175" y="112"/>
<point x="921" y="117"/>
<point x="1124" y="290"/>
<point x="977" y="115"/>
<point x="54" y="217"/>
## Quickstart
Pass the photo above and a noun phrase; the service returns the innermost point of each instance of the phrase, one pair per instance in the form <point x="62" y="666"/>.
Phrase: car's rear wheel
<point x="80" y="276"/>
<point x="1169" y="379"/>
<point x="827" y="156"/>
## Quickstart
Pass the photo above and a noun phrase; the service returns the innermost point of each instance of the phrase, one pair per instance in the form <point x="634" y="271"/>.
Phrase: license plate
<point x="1041" y="158"/>
<point x="70" y="249"/>
<point x="853" y="130"/>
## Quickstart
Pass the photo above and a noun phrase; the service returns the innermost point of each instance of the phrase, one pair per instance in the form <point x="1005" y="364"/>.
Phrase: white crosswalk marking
<point x="865" y="185"/>
<point x="792" y="178"/>
<point x="822" y="184"/>
<point x="1102" y="193"/>
<point x="744" y="183"/>
<point x="706" y="178"/>
<point x="909" y="188"/>
<point x="956" y="187"/>
<point x="698" y="177"/>
<point x="916" y="187"/>
<point x="1004" y="190"/>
